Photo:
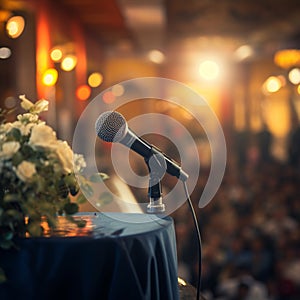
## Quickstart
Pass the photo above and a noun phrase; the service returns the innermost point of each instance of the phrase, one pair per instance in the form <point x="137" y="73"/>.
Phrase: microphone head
<point x="111" y="126"/>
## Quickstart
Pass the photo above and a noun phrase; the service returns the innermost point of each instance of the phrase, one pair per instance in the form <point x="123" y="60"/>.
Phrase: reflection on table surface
<point x="116" y="256"/>
<point x="106" y="224"/>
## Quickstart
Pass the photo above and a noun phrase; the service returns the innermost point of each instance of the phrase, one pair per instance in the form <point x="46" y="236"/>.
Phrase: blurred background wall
<point x="242" y="56"/>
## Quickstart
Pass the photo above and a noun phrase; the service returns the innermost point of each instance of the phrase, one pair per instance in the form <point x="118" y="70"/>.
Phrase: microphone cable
<point x="198" y="238"/>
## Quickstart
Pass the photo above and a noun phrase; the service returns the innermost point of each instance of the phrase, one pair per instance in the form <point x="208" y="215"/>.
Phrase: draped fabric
<point x="119" y="260"/>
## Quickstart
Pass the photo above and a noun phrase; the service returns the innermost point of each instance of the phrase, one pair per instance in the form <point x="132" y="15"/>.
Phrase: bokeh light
<point x="83" y="92"/>
<point x="209" y="70"/>
<point x="243" y="52"/>
<point x="156" y="56"/>
<point x="10" y="102"/>
<point x="272" y="85"/>
<point x="95" y="79"/>
<point x="56" y="54"/>
<point x="50" y="77"/>
<point x="69" y="63"/>
<point x="15" y="26"/>
<point x="118" y="90"/>
<point x="294" y="76"/>
<point x="5" y="52"/>
<point x="108" y="97"/>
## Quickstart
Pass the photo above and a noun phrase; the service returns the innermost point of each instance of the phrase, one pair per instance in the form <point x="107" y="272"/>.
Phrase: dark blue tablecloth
<point x="126" y="256"/>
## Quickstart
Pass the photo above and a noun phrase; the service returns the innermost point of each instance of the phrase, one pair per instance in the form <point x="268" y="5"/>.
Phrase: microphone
<point x="112" y="127"/>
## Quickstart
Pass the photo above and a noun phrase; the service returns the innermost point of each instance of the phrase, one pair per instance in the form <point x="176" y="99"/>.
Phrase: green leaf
<point x="98" y="177"/>
<point x="80" y="223"/>
<point x="13" y="214"/>
<point x="27" y="151"/>
<point x="8" y="198"/>
<point x="17" y="159"/>
<point x="87" y="190"/>
<point x="2" y="276"/>
<point x="71" y="208"/>
<point x="7" y="236"/>
<point x="34" y="228"/>
<point x="72" y="184"/>
<point x="6" y="244"/>
<point x="81" y="199"/>
<point x="14" y="134"/>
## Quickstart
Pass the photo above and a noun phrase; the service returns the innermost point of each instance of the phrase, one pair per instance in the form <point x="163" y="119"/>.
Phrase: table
<point x="125" y="256"/>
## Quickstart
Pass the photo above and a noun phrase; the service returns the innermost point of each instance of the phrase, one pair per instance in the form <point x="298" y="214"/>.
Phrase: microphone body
<point x="140" y="146"/>
<point x="112" y="127"/>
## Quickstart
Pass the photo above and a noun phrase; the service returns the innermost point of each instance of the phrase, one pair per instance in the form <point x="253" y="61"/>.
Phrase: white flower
<point x="42" y="136"/>
<point x="40" y="106"/>
<point x="24" y="128"/>
<point x="9" y="149"/>
<point x="26" y="104"/>
<point x="65" y="155"/>
<point x="25" y="170"/>
<point x="79" y="162"/>
<point x="28" y="118"/>
<point x="35" y="108"/>
<point x="6" y="127"/>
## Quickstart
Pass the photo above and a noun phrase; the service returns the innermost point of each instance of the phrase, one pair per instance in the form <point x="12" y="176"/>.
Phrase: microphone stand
<point x="157" y="168"/>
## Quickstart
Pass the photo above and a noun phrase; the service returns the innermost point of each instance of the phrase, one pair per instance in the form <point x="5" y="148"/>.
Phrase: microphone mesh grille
<point x="111" y="126"/>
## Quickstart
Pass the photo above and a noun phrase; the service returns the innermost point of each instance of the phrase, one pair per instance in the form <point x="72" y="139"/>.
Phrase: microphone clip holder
<point x="157" y="168"/>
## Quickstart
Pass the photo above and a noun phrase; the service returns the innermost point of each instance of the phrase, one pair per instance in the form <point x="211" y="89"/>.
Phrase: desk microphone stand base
<point x="155" y="206"/>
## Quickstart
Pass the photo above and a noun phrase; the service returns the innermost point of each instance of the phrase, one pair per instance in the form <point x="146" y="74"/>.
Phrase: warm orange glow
<point x="287" y="58"/>
<point x="4" y="15"/>
<point x="95" y="79"/>
<point x="50" y="77"/>
<point x="108" y="97"/>
<point x="69" y="63"/>
<point x="209" y="70"/>
<point x="15" y="26"/>
<point x="275" y="109"/>
<point x="42" y="47"/>
<point x="83" y="92"/>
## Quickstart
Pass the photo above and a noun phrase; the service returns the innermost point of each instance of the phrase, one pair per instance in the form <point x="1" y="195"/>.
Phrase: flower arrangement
<point x="37" y="176"/>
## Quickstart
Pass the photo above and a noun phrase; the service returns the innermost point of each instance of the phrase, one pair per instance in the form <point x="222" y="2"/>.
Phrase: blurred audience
<point x="250" y="233"/>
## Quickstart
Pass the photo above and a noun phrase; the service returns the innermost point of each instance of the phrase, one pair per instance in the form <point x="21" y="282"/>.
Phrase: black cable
<point x="198" y="237"/>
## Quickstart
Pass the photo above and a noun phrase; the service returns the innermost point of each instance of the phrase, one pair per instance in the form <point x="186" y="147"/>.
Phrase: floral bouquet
<point x="37" y="176"/>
